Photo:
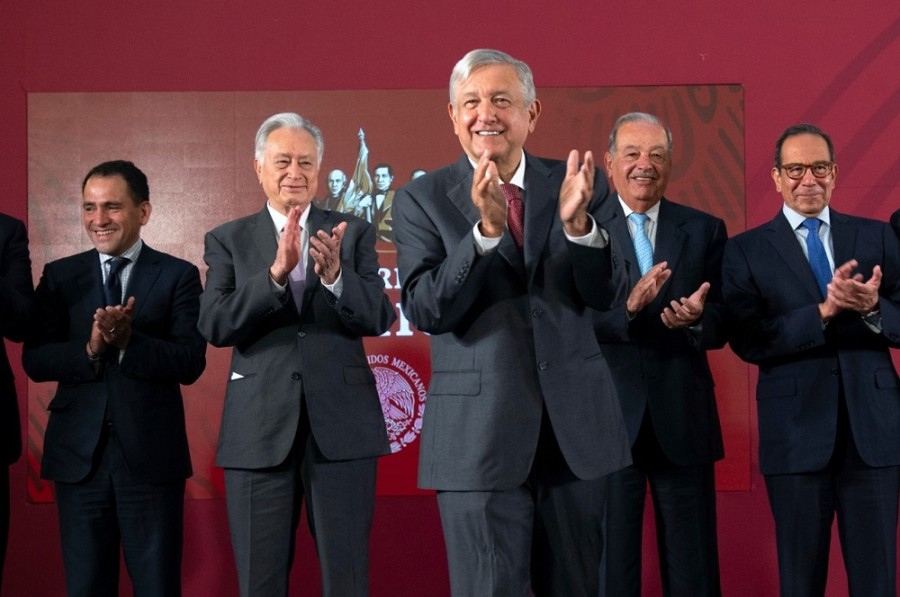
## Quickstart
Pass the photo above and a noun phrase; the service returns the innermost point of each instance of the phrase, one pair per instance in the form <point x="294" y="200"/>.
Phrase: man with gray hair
<point x="293" y="289"/>
<point x="656" y="342"/>
<point x="501" y="258"/>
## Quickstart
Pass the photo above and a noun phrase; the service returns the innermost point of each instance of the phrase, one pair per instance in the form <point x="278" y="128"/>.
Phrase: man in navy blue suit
<point x="16" y="306"/>
<point x="117" y="329"/>
<point x="816" y="299"/>
<point x="656" y="343"/>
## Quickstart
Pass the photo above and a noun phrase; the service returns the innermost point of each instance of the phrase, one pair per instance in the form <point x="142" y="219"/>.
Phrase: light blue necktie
<point x="642" y="247"/>
<point x="818" y="260"/>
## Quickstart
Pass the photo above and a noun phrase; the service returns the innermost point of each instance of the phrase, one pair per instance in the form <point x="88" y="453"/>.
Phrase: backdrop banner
<point x="197" y="151"/>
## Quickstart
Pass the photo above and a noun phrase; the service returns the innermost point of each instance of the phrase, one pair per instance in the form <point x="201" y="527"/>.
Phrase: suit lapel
<point x="843" y="239"/>
<point x="540" y="211"/>
<point x="461" y="196"/>
<point x="670" y="241"/>
<point x="90" y="285"/>
<point x="613" y="219"/>
<point x="143" y="276"/>
<point x="785" y="242"/>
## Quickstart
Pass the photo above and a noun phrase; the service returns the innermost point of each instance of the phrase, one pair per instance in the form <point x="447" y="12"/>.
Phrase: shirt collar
<point x="652" y="213"/>
<point x="280" y="220"/>
<point x="795" y="219"/>
<point x="518" y="178"/>
<point x="132" y="253"/>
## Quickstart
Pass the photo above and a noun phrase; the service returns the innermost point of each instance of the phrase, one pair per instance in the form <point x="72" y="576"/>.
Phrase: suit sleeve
<point x="715" y="323"/>
<point x="55" y="348"/>
<point x="759" y="334"/>
<point x="180" y="354"/>
<point x="595" y="277"/>
<point x="233" y="312"/>
<point x="16" y="287"/>
<point x="363" y="306"/>
<point x="440" y="283"/>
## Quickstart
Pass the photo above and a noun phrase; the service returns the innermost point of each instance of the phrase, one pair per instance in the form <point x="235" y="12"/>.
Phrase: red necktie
<point x="515" y="212"/>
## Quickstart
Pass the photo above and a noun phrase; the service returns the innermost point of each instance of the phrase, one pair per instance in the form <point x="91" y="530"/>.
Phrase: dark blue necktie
<point x="112" y="288"/>
<point x="818" y="260"/>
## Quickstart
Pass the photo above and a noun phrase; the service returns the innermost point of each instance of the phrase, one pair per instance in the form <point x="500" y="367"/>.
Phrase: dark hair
<point x="127" y="171"/>
<point x="388" y="166"/>
<point x="802" y="129"/>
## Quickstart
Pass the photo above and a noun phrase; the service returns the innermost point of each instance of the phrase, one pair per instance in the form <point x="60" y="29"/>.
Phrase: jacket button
<point x="302" y="334"/>
<point x="543" y="365"/>
<point x="295" y="376"/>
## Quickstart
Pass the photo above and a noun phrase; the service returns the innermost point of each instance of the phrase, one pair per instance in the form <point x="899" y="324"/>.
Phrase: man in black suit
<point x="501" y="260"/>
<point x="16" y="308"/>
<point x="293" y="290"/>
<point x="656" y="343"/>
<point x="117" y="329"/>
<point x="815" y="295"/>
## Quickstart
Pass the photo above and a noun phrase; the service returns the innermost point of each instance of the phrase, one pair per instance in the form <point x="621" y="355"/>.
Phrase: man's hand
<point x="848" y="292"/>
<point x="288" y="255"/>
<point x="488" y="198"/>
<point x="111" y="327"/>
<point x="575" y="194"/>
<point x="687" y="311"/>
<point x="647" y="288"/>
<point x="325" y="250"/>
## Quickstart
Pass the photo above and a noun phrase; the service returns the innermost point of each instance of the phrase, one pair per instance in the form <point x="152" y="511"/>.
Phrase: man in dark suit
<point x="16" y="308"/>
<point x="815" y="295"/>
<point x="293" y="290"/>
<point x="656" y="342"/>
<point x="522" y="420"/>
<point x="117" y="329"/>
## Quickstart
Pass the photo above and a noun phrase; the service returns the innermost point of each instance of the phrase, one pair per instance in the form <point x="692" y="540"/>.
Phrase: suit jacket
<point x="16" y="309"/>
<point x="509" y="336"/>
<point x="771" y="292"/>
<point x="280" y="356"/>
<point x="140" y="395"/>
<point x="655" y="367"/>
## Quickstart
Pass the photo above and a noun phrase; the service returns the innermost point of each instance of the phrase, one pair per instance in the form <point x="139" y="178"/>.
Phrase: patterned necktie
<point x="297" y="276"/>
<point x="642" y="247"/>
<point x="112" y="288"/>
<point x="515" y="213"/>
<point x="818" y="260"/>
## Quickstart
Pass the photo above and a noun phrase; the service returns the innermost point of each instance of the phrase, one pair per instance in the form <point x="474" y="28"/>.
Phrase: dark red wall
<point x="831" y="63"/>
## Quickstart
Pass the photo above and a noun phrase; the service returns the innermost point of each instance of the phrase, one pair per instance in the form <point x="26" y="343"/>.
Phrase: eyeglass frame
<point x="811" y="167"/>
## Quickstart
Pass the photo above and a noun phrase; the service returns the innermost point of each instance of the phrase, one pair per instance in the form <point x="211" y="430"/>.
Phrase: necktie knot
<point x="811" y="224"/>
<point x="515" y="212"/>
<point x="643" y="249"/>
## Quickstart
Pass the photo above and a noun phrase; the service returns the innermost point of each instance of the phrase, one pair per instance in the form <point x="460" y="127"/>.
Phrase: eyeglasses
<point x="818" y="169"/>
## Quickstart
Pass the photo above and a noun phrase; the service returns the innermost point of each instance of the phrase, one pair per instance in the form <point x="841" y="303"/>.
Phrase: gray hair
<point x="638" y="117"/>
<point x="287" y="120"/>
<point x="484" y="57"/>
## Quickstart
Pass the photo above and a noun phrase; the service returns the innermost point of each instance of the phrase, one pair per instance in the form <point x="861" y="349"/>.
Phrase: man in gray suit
<point x="293" y="289"/>
<point x="522" y="420"/>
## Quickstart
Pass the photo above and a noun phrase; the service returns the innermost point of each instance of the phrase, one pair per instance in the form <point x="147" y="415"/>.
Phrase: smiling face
<point x="808" y="195"/>
<point x="489" y="114"/>
<point x="111" y="218"/>
<point x="289" y="170"/>
<point x="641" y="164"/>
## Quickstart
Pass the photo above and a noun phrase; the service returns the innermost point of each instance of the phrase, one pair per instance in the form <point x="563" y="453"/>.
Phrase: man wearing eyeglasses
<point x="815" y="295"/>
